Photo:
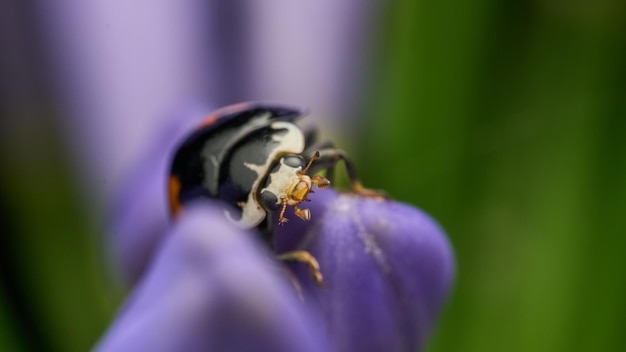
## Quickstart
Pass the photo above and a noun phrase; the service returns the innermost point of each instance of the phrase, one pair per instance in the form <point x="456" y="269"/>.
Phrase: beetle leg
<point x="294" y="282"/>
<point x="310" y="136"/>
<point x="330" y="173"/>
<point x="314" y="145"/>
<point x="329" y="157"/>
<point x="358" y="188"/>
<point x="281" y="216"/>
<point x="306" y="258"/>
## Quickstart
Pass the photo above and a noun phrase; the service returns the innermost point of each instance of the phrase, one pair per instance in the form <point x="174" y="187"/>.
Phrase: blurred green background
<point x="504" y="120"/>
<point x="507" y="122"/>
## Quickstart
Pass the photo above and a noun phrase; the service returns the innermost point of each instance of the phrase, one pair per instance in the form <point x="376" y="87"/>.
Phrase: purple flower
<point x="200" y="283"/>
<point x="211" y="288"/>
<point x="387" y="265"/>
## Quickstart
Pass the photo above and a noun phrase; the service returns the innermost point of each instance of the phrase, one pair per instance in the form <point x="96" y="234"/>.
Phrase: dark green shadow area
<point x="54" y="289"/>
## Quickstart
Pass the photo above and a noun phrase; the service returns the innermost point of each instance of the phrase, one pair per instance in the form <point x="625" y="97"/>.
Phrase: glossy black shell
<point x="214" y="160"/>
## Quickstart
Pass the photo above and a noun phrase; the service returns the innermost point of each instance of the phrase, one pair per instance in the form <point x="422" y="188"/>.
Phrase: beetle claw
<point x="302" y="213"/>
<point x="370" y="193"/>
<point x="308" y="259"/>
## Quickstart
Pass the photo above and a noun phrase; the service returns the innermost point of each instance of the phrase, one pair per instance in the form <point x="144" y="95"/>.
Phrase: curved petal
<point x="140" y="218"/>
<point x="211" y="288"/>
<point x="388" y="268"/>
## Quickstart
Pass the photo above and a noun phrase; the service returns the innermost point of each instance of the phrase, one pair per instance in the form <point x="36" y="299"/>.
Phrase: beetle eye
<point x="294" y="161"/>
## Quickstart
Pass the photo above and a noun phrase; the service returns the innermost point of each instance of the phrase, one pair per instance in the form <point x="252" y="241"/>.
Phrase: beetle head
<point x="289" y="185"/>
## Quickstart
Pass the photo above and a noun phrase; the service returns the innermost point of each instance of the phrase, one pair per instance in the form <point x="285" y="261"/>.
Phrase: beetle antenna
<point x="308" y="165"/>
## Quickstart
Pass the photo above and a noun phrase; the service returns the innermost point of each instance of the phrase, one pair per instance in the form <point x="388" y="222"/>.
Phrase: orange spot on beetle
<point x="209" y="120"/>
<point x="174" y="193"/>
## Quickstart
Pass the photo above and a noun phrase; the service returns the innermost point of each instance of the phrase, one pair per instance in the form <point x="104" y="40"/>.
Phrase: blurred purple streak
<point x="314" y="54"/>
<point x="139" y="218"/>
<point x="119" y="68"/>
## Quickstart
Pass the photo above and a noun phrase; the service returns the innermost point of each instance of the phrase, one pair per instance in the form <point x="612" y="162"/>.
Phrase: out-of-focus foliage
<point x="504" y="120"/>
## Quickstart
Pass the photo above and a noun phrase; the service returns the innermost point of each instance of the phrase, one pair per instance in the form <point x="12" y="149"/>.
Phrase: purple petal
<point x="322" y="67"/>
<point x="117" y="66"/>
<point x="140" y="217"/>
<point x="387" y="265"/>
<point x="212" y="288"/>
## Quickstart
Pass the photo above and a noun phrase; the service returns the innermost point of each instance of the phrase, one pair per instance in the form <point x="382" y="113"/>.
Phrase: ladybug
<point x="255" y="158"/>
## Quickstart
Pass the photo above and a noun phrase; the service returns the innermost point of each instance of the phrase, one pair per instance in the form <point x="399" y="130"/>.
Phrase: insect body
<point x="255" y="158"/>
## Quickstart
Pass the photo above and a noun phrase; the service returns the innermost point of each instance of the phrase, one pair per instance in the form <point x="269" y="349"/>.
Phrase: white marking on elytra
<point x="259" y="169"/>
<point x="277" y="138"/>
<point x="214" y="161"/>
